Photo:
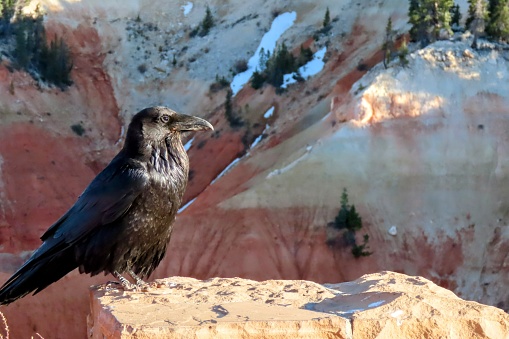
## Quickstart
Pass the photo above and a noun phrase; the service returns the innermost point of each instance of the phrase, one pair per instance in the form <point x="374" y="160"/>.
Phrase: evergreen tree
<point x="388" y="45"/>
<point x="55" y="63"/>
<point x="257" y="80"/>
<point x="207" y="23"/>
<point x="498" y="23"/>
<point x="350" y="221"/>
<point x="282" y="62"/>
<point x="231" y="117"/>
<point x="347" y="217"/>
<point x="264" y="57"/>
<point x="455" y="15"/>
<point x="326" y="19"/>
<point x="8" y="8"/>
<point x="428" y="18"/>
<point x="21" y="48"/>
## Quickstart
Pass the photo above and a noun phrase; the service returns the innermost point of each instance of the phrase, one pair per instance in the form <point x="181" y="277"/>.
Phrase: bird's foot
<point x="126" y="285"/>
<point x="140" y="284"/>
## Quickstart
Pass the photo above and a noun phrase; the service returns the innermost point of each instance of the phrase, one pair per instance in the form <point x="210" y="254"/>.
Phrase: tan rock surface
<point x="381" y="305"/>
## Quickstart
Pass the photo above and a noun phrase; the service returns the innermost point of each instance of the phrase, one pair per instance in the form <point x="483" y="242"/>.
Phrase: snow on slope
<point x="268" y="43"/>
<point x="314" y="66"/>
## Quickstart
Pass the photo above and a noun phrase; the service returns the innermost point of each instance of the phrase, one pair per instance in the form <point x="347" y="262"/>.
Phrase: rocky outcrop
<point x="380" y="305"/>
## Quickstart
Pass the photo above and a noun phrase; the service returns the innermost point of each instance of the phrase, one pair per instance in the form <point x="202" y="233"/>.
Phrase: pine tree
<point x="455" y="15"/>
<point x="388" y="44"/>
<point x="231" y="116"/>
<point x="264" y="57"/>
<point x="8" y="8"/>
<point x="22" y="48"/>
<point x="347" y="217"/>
<point x="282" y="62"/>
<point x="428" y="18"/>
<point x="257" y="80"/>
<point x="207" y="23"/>
<point x="55" y="63"/>
<point x="326" y="19"/>
<point x="417" y="31"/>
<point x="498" y="23"/>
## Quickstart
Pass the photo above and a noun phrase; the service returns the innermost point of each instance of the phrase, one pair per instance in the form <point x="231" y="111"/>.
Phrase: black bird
<point x="123" y="220"/>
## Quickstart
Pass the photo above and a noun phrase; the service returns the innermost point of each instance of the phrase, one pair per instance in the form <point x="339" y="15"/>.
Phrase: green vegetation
<point x="274" y="67"/>
<point x="497" y="26"/>
<point x="455" y="15"/>
<point x="78" y="129"/>
<point x="432" y="18"/>
<point x="428" y="18"/>
<point x="388" y="45"/>
<point x="326" y="19"/>
<point x="219" y="84"/>
<point x="205" y="25"/>
<point x="349" y="221"/>
<point x="30" y="51"/>
<point x="233" y="119"/>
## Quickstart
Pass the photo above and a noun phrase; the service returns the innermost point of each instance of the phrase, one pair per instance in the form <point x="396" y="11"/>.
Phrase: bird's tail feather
<point x="36" y="274"/>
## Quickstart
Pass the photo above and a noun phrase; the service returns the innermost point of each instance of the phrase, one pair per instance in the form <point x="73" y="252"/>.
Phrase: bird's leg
<point x="139" y="282"/>
<point x="125" y="283"/>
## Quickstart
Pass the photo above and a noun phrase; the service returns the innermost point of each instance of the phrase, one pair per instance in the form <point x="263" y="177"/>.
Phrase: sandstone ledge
<point x="381" y="305"/>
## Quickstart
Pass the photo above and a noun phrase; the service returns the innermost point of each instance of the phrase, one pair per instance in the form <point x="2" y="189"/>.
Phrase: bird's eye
<point x="165" y="118"/>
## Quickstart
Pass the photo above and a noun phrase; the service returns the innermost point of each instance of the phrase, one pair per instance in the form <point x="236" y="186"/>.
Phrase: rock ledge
<point x="381" y="305"/>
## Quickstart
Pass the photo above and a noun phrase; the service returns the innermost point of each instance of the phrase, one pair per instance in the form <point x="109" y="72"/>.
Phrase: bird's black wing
<point x="107" y="198"/>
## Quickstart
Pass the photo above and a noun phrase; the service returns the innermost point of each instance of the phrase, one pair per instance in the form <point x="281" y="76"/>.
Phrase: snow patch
<point x="269" y="113"/>
<point x="314" y="66"/>
<point x="226" y="169"/>
<point x="280" y="24"/>
<point x="393" y="230"/>
<point x="186" y="205"/>
<point x="259" y="138"/>
<point x="291" y="165"/>
<point x="187" y="8"/>
<point x="325" y="116"/>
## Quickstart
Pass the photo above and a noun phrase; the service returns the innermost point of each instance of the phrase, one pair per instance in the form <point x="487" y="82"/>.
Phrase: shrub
<point x="219" y="84"/>
<point x="257" y="80"/>
<point x="240" y="65"/>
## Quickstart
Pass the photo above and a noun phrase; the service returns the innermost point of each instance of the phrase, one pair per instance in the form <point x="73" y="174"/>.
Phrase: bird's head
<point x="158" y="124"/>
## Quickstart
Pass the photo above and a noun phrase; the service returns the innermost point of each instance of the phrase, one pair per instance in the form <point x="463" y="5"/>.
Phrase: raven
<point x="123" y="220"/>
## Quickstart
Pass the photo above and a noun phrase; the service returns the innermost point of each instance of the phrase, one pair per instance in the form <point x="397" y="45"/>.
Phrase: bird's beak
<point x="184" y="123"/>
